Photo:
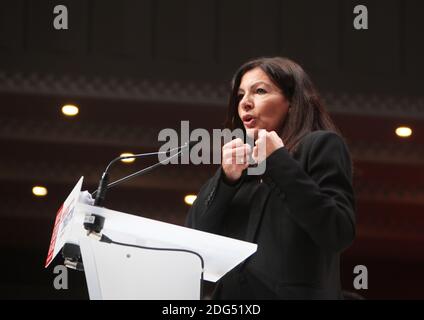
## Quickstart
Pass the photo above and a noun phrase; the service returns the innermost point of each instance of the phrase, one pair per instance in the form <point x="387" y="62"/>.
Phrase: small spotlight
<point x="39" y="191"/>
<point x="189" y="199"/>
<point x="70" y="110"/>
<point x="128" y="160"/>
<point x="403" y="132"/>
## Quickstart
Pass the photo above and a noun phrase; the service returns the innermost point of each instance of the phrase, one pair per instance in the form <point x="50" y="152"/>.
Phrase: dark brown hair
<point x="307" y="112"/>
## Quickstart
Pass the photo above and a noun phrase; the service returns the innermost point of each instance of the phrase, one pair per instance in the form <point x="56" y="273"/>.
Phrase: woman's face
<point x="262" y="104"/>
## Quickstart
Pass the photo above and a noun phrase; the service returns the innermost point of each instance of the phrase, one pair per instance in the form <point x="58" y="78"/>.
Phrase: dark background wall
<point x="136" y="67"/>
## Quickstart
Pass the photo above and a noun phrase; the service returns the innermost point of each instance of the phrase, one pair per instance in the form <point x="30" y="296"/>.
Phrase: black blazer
<point x="300" y="212"/>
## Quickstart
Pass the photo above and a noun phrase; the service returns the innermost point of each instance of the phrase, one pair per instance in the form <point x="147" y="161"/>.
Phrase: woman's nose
<point x="246" y="103"/>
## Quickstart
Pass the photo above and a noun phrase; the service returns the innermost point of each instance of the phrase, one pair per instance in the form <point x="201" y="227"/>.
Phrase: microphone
<point x="104" y="180"/>
<point x="94" y="223"/>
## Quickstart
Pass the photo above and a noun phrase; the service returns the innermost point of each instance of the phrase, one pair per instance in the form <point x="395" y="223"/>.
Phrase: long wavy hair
<point x="307" y="112"/>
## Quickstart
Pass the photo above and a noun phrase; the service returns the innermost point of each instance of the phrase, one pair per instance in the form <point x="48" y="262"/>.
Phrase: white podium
<point x="116" y="272"/>
<point x="159" y="261"/>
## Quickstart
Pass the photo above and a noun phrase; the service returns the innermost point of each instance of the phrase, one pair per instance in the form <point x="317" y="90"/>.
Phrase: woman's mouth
<point x="249" y="121"/>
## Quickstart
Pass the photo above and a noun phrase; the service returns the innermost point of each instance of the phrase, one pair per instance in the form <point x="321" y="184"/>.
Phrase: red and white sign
<point x="62" y="222"/>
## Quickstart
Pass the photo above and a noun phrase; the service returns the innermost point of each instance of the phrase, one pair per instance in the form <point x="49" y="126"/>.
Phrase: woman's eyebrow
<point x="255" y="84"/>
<point x="259" y="82"/>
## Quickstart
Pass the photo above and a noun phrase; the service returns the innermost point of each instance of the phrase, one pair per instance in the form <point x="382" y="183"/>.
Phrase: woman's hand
<point x="268" y="141"/>
<point x="235" y="158"/>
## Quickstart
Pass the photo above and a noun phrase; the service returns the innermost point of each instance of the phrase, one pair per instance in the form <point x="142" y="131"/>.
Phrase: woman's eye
<point x="240" y="96"/>
<point x="260" y="91"/>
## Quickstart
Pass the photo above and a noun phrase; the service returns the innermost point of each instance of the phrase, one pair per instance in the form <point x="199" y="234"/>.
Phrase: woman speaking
<point x="301" y="210"/>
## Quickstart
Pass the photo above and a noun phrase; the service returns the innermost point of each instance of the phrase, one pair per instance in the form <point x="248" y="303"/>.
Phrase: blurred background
<point x="135" y="67"/>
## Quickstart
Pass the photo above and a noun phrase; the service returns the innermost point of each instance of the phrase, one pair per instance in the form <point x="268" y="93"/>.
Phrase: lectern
<point x="148" y="259"/>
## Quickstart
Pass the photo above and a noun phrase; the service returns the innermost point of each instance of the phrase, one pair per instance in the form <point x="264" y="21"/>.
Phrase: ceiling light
<point x="189" y="199"/>
<point x="403" y="132"/>
<point x="128" y="160"/>
<point x="39" y="191"/>
<point x="70" y="110"/>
